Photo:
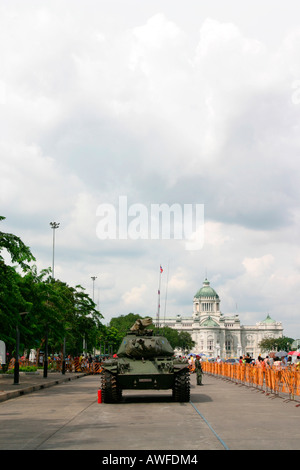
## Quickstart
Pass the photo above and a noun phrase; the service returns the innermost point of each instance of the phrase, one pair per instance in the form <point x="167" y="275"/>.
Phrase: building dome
<point x="206" y="291"/>
<point x="268" y="320"/>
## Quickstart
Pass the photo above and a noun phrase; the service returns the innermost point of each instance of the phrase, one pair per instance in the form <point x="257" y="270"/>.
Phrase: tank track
<point x="111" y="392"/>
<point x="181" y="390"/>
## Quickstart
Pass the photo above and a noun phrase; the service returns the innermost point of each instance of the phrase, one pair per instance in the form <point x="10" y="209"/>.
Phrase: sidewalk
<point x="30" y="382"/>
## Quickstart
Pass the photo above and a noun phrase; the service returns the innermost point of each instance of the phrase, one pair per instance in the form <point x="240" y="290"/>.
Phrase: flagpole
<point x="158" y="304"/>
<point x="166" y="295"/>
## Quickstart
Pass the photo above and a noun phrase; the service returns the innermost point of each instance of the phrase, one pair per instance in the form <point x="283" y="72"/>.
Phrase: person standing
<point x="198" y="369"/>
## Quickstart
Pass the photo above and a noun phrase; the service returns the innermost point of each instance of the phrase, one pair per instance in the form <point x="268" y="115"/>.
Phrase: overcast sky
<point x="169" y="101"/>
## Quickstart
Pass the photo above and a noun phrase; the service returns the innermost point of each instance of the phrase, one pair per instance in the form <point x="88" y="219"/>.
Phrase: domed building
<point x="217" y="334"/>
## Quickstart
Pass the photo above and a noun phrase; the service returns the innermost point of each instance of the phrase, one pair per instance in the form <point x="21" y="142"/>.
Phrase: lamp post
<point x="54" y="226"/>
<point x="17" y="365"/>
<point x="45" y="374"/>
<point x="63" y="369"/>
<point x="93" y="279"/>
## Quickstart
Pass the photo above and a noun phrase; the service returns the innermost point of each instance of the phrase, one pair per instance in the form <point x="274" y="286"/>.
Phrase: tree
<point x="86" y="322"/>
<point x="61" y="312"/>
<point x="124" y="323"/>
<point x="48" y="303"/>
<point x="276" y="344"/>
<point x="176" y="339"/>
<point x="18" y="251"/>
<point x="185" y="341"/>
<point x="54" y="310"/>
<point x="110" y="339"/>
<point x="12" y="302"/>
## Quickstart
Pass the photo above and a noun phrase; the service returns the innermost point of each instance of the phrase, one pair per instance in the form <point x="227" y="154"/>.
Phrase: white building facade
<point x="216" y="334"/>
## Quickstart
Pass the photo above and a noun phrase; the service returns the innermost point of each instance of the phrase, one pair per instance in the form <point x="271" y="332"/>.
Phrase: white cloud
<point x="163" y="104"/>
<point x="31" y="182"/>
<point x="178" y="281"/>
<point x="258" y="267"/>
<point x="135" y="297"/>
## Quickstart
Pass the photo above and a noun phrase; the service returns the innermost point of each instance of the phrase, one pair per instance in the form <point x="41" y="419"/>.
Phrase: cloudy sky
<point x="156" y="102"/>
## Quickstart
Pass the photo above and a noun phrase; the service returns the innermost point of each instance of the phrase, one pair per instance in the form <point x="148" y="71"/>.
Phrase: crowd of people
<point x="277" y="363"/>
<point x="82" y="361"/>
<point x="271" y="360"/>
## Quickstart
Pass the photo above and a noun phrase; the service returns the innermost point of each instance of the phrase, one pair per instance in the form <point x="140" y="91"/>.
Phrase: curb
<point x="33" y="388"/>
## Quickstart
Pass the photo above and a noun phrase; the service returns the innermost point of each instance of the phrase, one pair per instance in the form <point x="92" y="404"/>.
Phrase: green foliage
<point x="19" y="252"/>
<point x="28" y="369"/>
<point x="176" y="339"/>
<point x="110" y="337"/>
<point x="276" y="344"/>
<point x="123" y="323"/>
<point x="61" y="311"/>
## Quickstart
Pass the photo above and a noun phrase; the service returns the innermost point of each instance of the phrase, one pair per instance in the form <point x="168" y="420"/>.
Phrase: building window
<point x="228" y="345"/>
<point x="250" y="340"/>
<point x="210" y="344"/>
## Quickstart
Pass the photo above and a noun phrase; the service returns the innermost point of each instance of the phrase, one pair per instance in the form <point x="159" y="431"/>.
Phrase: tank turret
<point x="140" y="343"/>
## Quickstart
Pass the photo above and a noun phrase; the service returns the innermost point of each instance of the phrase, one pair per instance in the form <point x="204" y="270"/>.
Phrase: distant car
<point x="232" y="361"/>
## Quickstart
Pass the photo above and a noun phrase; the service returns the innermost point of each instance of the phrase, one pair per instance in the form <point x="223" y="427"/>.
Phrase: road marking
<point x="210" y="427"/>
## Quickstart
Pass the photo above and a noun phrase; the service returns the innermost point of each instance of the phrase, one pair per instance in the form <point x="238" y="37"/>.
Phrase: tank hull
<point x="146" y="382"/>
<point x="157" y="374"/>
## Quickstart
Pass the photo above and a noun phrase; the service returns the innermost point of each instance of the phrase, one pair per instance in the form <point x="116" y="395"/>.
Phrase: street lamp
<point x="17" y="365"/>
<point x="54" y="226"/>
<point x="63" y="369"/>
<point x="45" y="374"/>
<point x="93" y="279"/>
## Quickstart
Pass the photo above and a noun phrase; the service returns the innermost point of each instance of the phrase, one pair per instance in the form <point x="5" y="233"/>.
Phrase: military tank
<point x="144" y="362"/>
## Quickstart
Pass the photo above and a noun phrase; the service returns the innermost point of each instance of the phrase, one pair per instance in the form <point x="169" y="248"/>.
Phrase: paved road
<point x="220" y="416"/>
